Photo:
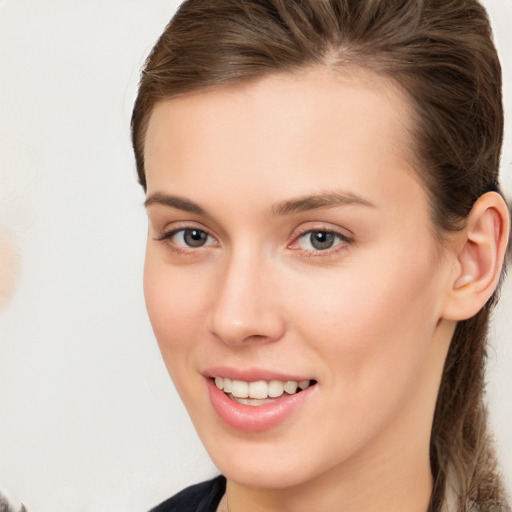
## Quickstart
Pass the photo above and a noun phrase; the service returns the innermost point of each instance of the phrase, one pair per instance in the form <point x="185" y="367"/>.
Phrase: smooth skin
<point x="235" y="276"/>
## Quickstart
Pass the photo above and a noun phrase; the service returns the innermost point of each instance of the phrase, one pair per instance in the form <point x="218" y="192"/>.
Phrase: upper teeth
<point x="259" y="389"/>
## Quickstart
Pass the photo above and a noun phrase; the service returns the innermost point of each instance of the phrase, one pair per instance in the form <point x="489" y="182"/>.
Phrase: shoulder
<point x="203" y="497"/>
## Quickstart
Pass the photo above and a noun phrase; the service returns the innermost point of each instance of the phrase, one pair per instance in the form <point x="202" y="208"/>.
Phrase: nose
<point x="245" y="307"/>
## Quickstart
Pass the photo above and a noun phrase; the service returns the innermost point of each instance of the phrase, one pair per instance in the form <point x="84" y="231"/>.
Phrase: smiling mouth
<point x="260" y="392"/>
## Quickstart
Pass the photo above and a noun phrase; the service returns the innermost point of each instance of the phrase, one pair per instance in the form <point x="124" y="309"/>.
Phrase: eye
<point x="187" y="238"/>
<point x="191" y="237"/>
<point x="320" y="240"/>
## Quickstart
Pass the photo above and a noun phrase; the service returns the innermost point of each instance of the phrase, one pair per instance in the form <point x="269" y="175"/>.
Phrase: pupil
<point x="195" y="237"/>
<point x="322" y="240"/>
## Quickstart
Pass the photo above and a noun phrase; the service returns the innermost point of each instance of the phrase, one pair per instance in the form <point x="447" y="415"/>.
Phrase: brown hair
<point x="440" y="52"/>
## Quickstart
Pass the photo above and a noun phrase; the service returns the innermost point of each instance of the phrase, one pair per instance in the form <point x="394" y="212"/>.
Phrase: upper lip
<point x="252" y="374"/>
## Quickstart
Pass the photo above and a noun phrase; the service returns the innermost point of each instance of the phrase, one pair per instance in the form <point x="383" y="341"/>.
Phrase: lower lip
<point x="255" y="418"/>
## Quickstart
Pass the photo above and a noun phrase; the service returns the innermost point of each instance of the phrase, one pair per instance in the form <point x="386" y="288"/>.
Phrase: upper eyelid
<point x="320" y="226"/>
<point x="168" y="233"/>
<point x="320" y="230"/>
<point x="175" y="226"/>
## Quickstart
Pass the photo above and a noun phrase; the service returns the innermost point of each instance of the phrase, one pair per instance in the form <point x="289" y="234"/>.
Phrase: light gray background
<point x="89" y="421"/>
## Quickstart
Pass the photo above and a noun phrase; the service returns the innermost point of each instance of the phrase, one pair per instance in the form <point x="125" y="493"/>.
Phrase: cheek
<point x="173" y="301"/>
<point x="372" y="319"/>
<point x="371" y="336"/>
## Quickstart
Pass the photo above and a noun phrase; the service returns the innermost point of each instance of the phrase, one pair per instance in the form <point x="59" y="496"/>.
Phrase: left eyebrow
<point x="321" y="200"/>
<point x="179" y="203"/>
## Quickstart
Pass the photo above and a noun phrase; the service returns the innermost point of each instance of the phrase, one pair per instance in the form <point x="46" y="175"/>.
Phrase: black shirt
<point x="203" y="497"/>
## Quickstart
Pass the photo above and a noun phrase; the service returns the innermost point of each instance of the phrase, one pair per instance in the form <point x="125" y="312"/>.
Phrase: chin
<point x="266" y="475"/>
<point x="272" y="461"/>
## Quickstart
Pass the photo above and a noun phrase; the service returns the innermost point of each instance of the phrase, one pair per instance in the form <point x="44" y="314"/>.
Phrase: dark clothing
<point x="203" y="497"/>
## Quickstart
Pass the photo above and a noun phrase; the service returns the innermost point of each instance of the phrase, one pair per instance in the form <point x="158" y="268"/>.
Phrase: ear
<point x="480" y="250"/>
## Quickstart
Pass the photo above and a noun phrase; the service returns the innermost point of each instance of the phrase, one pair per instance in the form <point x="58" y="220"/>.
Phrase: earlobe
<point x="481" y="248"/>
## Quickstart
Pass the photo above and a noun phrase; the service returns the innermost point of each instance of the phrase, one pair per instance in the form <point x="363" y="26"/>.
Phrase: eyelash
<point x="343" y="241"/>
<point x="166" y="237"/>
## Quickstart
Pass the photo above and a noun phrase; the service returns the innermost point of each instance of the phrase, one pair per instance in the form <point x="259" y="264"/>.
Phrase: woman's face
<point x="289" y="240"/>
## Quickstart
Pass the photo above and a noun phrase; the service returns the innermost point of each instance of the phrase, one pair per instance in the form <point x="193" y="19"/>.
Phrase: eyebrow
<point x="317" y="201"/>
<point x="179" y="203"/>
<point x="287" y="207"/>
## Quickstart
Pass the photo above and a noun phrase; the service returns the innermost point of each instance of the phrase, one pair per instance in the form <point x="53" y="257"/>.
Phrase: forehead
<point x="320" y="92"/>
<point x="327" y="123"/>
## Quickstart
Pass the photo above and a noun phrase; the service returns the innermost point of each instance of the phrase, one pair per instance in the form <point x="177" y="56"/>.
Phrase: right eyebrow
<point x="177" y="202"/>
<point x="328" y="199"/>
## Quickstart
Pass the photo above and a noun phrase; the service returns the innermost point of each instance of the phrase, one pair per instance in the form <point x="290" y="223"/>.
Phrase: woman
<point x="326" y="238"/>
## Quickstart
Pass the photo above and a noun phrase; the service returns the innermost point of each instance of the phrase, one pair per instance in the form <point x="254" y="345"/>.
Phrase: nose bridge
<point x="243" y="309"/>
